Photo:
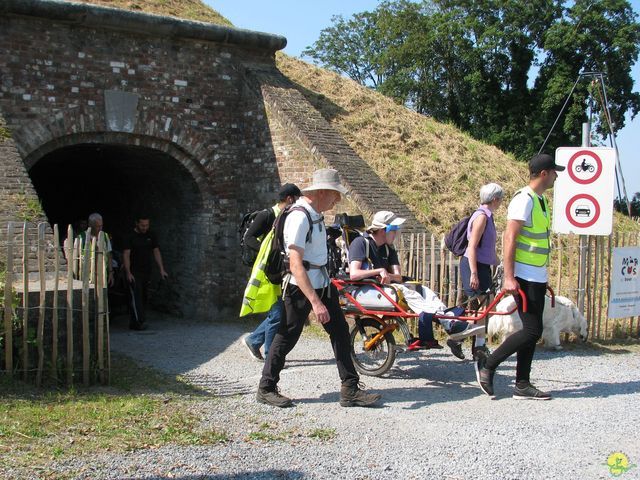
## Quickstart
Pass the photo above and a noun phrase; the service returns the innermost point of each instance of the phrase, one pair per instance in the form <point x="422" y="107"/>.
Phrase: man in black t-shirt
<point x="140" y="249"/>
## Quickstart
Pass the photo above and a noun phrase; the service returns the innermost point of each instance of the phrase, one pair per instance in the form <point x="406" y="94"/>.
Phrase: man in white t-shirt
<point x="308" y="288"/>
<point x="526" y="255"/>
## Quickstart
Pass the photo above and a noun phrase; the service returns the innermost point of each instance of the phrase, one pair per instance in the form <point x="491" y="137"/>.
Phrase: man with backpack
<point x="257" y="230"/>
<point x="307" y="287"/>
<point x="526" y="255"/>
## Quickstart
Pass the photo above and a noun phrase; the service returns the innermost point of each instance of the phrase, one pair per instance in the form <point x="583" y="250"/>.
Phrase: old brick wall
<point x="192" y="105"/>
<point x="19" y="202"/>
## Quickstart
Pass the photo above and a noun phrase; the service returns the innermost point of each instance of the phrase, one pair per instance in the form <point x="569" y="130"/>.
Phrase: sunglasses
<point x="392" y="228"/>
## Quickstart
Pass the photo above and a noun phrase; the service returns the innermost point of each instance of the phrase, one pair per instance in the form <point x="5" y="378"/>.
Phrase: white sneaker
<point x="472" y="330"/>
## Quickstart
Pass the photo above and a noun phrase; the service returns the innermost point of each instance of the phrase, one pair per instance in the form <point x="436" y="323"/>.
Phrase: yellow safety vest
<point x="532" y="243"/>
<point x="260" y="294"/>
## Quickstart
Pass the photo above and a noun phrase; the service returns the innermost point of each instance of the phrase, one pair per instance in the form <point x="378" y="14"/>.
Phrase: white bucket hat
<point x="383" y="219"/>
<point x="326" y="179"/>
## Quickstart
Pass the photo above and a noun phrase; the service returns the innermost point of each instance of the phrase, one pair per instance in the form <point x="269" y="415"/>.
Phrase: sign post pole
<point x="584" y="242"/>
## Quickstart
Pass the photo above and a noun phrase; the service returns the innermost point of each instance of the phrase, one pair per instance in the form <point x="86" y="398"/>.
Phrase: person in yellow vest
<point x="526" y="255"/>
<point x="261" y="295"/>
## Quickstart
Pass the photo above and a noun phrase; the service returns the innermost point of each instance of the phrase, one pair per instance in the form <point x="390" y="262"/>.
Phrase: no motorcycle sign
<point x="583" y="193"/>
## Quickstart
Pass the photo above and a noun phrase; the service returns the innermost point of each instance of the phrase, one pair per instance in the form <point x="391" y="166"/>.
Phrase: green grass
<point x="142" y="409"/>
<point x="267" y="433"/>
<point x="323" y="434"/>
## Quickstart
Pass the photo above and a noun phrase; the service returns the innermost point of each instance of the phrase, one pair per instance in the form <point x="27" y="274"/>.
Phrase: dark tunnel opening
<point x="121" y="182"/>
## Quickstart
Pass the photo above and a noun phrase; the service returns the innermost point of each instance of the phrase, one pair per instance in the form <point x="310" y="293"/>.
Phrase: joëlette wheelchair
<point x="377" y="311"/>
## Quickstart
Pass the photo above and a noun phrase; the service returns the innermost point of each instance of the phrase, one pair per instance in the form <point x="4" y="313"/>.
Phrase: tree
<point x="621" y="205"/>
<point x="470" y="62"/>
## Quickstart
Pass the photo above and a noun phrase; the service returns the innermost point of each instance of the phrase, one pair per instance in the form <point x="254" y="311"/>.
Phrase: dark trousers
<point x="523" y="342"/>
<point x="297" y="308"/>
<point x="484" y="277"/>
<point x="138" y="295"/>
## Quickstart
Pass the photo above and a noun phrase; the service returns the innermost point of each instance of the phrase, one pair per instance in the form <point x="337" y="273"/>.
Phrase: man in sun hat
<point x="526" y="255"/>
<point x="308" y="288"/>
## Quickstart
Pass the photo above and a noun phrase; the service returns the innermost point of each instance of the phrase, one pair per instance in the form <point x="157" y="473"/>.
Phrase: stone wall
<point x="171" y="98"/>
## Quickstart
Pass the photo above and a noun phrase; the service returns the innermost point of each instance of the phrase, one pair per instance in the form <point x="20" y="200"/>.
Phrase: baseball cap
<point x="543" y="161"/>
<point x="383" y="219"/>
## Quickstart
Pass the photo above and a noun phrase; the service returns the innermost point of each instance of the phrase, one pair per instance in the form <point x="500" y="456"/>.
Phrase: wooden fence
<point x="425" y="258"/>
<point x="71" y="311"/>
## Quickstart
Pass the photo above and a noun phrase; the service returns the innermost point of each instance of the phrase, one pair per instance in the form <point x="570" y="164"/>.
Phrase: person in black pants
<point x="308" y="288"/>
<point x="526" y="255"/>
<point x="140" y="249"/>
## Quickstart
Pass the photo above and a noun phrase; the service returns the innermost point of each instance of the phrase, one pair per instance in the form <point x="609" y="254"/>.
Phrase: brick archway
<point x="121" y="175"/>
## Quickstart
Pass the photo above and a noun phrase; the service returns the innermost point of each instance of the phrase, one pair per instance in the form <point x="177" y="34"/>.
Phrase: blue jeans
<point x="263" y="335"/>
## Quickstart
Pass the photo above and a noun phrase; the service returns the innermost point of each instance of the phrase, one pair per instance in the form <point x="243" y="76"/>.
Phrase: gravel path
<point x="434" y="422"/>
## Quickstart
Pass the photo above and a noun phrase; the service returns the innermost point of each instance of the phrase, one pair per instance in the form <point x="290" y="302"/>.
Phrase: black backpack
<point x="277" y="260"/>
<point x="247" y="253"/>
<point x="456" y="240"/>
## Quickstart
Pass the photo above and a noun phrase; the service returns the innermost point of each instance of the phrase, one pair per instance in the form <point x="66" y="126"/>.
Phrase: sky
<point x="301" y="22"/>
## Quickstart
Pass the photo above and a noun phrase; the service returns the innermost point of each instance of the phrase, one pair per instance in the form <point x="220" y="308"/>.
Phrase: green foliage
<point x="470" y="62"/>
<point x="5" y="134"/>
<point x="30" y="209"/>
<point x="622" y="207"/>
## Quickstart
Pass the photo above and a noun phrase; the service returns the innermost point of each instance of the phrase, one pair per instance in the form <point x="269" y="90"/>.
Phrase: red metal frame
<point x="341" y="285"/>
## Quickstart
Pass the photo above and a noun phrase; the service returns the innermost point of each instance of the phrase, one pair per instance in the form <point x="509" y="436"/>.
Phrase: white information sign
<point x="583" y="192"/>
<point x="624" y="300"/>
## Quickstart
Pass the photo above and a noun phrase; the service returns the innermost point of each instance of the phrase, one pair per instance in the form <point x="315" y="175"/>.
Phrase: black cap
<point x="543" y="161"/>
<point x="289" y="190"/>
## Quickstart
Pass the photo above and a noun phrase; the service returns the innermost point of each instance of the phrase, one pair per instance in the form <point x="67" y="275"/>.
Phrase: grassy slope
<point x="187" y="9"/>
<point x="435" y="168"/>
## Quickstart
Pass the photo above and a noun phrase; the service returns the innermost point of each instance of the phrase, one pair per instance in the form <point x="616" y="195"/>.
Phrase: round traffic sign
<point x="588" y="170"/>
<point x="588" y="207"/>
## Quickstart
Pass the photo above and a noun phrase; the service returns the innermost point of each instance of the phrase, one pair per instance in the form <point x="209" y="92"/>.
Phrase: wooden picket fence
<point x="72" y="308"/>
<point x="425" y="258"/>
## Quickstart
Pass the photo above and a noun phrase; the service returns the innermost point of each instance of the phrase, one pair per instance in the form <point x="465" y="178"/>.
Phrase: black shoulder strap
<point x="311" y="222"/>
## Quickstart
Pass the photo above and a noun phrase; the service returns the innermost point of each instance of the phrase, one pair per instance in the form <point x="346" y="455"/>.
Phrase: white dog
<point x="565" y="317"/>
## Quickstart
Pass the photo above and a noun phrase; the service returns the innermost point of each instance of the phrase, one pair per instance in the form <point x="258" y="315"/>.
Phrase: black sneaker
<point x="456" y="349"/>
<point x="529" y="392"/>
<point x="273" y="398"/>
<point x="480" y="351"/>
<point x="484" y="376"/>
<point x="253" y="351"/>
<point x="356" y="397"/>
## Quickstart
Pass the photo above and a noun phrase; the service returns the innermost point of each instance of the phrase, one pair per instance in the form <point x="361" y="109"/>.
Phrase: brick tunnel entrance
<point x="120" y="182"/>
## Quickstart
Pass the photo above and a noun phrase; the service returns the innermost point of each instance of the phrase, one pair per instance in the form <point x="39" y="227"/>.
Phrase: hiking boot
<point x="353" y="396"/>
<point x="484" y="376"/>
<point x="273" y="398"/>
<point x="526" y="391"/>
<point x="253" y="351"/>
<point x="480" y="351"/>
<point x="456" y="349"/>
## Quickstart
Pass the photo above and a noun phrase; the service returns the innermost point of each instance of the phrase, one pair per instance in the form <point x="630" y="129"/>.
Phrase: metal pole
<point x="584" y="241"/>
